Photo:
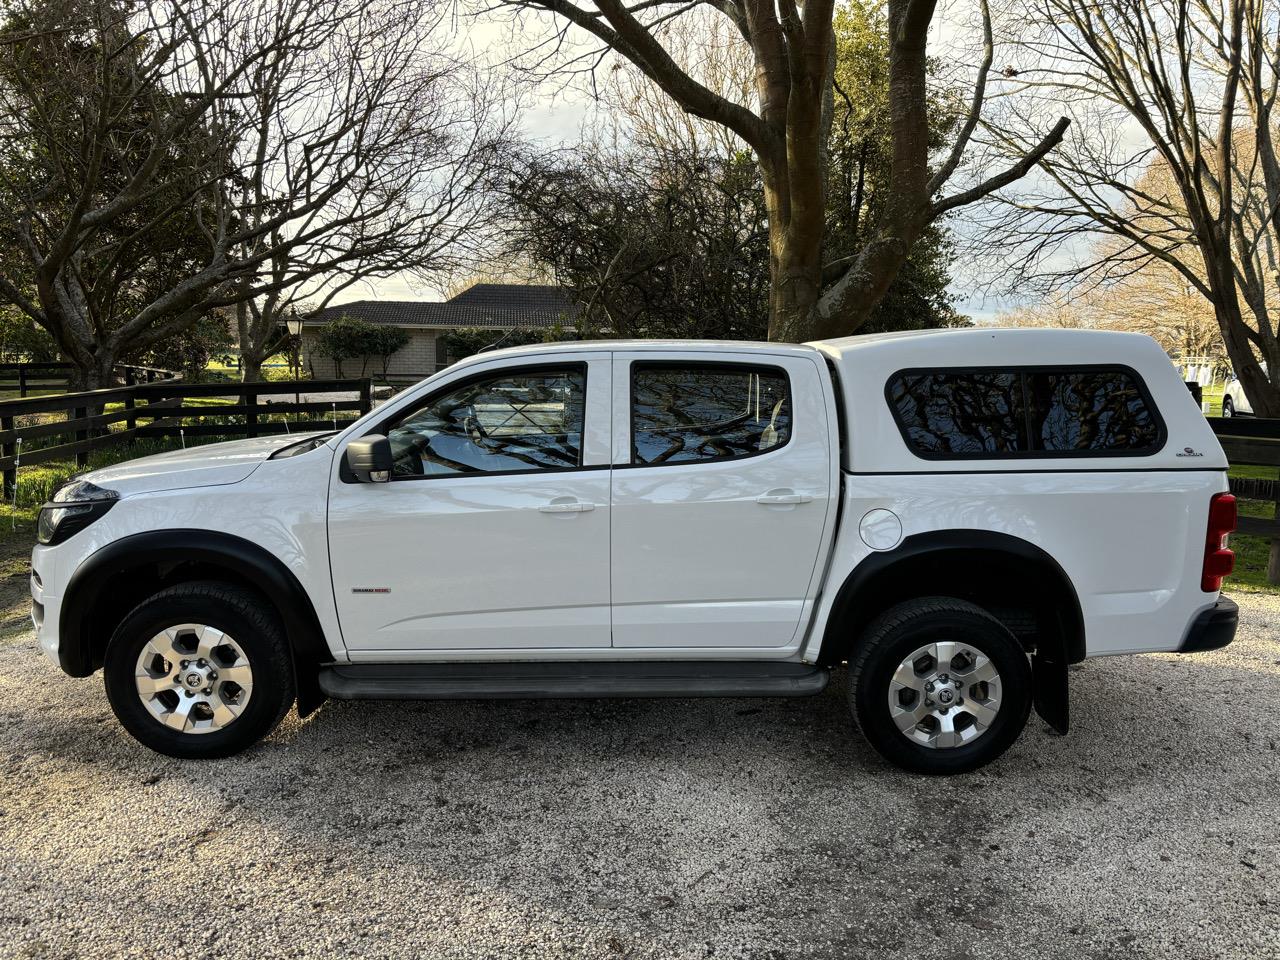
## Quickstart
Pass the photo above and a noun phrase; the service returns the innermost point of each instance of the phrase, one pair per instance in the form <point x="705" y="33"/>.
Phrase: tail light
<point x="1218" y="558"/>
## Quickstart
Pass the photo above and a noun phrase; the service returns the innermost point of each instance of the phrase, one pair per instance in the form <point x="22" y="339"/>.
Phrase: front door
<point x="721" y="495"/>
<point x="493" y="533"/>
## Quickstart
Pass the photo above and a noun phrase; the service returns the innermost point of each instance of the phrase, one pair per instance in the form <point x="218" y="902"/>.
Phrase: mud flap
<point x="1049" y="675"/>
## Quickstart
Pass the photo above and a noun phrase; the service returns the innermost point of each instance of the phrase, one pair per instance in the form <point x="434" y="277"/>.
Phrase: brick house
<point x="498" y="307"/>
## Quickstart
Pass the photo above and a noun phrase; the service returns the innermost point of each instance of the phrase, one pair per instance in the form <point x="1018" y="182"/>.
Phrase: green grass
<point x="1252" y="553"/>
<point x="1214" y="395"/>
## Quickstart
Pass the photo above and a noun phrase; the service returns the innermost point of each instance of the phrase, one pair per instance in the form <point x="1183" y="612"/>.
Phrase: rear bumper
<point x="1213" y="628"/>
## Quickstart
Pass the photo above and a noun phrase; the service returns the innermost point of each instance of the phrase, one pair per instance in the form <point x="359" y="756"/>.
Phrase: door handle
<point x="566" y="505"/>
<point x="783" y="496"/>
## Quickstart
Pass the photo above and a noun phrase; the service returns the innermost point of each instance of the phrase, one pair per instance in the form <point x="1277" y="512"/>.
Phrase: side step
<point x="554" y="680"/>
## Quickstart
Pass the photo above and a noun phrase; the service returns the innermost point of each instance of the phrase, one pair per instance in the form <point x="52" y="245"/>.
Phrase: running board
<point x="555" y="680"/>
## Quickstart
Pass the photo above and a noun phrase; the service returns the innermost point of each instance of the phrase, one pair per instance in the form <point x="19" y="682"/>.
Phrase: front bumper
<point x="44" y="608"/>
<point x="1213" y="628"/>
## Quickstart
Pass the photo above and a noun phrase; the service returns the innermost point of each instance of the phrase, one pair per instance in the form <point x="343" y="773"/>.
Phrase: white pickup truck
<point x="956" y="515"/>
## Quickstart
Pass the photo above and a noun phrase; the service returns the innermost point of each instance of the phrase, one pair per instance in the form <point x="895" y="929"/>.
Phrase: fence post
<point x="129" y="403"/>
<point x="366" y="396"/>
<point x="10" y="474"/>
<point x="251" y="418"/>
<point x="82" y="456"/>
<point x="22" y="380"/>
<point x="1273" y="558"/>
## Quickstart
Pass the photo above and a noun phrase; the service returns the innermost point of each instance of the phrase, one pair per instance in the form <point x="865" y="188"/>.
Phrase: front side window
<point x="1031" y="412"/>
<point x="507" y="422"/>
<point x="688" y="412"/>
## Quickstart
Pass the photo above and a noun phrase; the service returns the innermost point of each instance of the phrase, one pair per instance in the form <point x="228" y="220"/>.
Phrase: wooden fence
<point x="1256" y="442"/>
<point x="70" y="426"/>
<point x="27" y="378"/>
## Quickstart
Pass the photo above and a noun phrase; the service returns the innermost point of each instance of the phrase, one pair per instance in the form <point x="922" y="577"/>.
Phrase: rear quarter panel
<point x="1132" y="543"/>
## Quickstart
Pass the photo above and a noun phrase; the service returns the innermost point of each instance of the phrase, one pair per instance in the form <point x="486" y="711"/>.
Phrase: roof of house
<point x="488" y="305"/>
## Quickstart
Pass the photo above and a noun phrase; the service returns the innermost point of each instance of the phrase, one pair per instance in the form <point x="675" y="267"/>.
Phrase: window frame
<point x="1022" y="371"/>
<point x="398" y="416"/>
<point x="741" y="366"/>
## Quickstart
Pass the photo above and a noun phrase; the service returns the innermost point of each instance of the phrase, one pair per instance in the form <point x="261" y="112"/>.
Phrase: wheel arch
<point x="1013" y="579"/>
<point x="115" y="578"/>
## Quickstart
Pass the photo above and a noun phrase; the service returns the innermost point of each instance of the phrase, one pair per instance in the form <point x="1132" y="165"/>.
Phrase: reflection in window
<point x="1102" y="410"/>
<point x="975" y="413"/>
<point x="688" y="412"/>
<point x="529" y="421"/>
<point x="960" y="413"/>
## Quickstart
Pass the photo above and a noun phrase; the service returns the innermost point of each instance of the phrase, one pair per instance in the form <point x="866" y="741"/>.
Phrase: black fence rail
<point x="28" y="378"/>
<point x="67" y="426"/>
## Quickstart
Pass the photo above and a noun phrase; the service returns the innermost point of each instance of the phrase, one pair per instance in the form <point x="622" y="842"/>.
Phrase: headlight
<point x="76" y="505"/>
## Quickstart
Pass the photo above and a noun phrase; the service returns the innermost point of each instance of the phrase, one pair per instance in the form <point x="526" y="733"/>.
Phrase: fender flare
<point x="249" y="561"/>
<point x="1061" y="646"/>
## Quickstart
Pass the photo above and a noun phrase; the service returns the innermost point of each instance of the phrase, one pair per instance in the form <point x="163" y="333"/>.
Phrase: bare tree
<point x="423" y="134"/>
<point x="165" y="159"/>
<point x="1155" y="300"/>
<point x="787" y="123"/>
<point x="1172" y="160"/>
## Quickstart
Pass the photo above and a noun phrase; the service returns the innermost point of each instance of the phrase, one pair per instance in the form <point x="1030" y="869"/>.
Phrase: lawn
<point x="1214" y="395"/>
<point x="1252" y="552"/>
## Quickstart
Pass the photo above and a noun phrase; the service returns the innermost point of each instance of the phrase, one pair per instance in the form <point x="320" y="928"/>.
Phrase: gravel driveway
<point x="730" y="828"/>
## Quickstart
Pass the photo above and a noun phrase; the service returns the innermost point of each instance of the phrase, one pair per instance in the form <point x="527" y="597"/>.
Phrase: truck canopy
<point x="1015" y="400"/>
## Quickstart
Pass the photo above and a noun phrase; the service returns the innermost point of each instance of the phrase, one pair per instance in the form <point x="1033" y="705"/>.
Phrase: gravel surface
<point x="666" y="829"/>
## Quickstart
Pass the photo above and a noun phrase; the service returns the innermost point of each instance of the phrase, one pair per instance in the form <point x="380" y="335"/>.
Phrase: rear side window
<point x="960" y="414"/>
<point x="1030" y="412"/>
<point x="1104" y="410"/>
<point x="687" y="412"/>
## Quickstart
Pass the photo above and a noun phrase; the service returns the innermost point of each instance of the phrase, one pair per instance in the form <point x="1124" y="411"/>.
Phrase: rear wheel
<point x="199" y="670"/>
<point x="938" y="685"/>
<point x="1228" y="407"/>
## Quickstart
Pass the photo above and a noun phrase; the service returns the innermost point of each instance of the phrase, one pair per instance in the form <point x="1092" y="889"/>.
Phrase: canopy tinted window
<point x="1030" y="412"/>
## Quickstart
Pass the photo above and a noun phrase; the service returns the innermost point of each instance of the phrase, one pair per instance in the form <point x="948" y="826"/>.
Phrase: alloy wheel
<point x="194" y="678"/>
<point x="945" y="695"/>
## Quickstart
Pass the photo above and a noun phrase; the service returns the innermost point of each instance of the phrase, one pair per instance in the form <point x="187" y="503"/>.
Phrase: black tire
<point x="1228" y="408"/>
<point x="239" y="613"/>
<point x="892" y="637"/>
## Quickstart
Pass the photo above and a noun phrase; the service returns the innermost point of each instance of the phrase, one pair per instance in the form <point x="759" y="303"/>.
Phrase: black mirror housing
<point x="369" y="458"/>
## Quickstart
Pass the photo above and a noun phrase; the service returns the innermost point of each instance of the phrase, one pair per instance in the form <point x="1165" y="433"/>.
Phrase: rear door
<point x="721" y="493"/>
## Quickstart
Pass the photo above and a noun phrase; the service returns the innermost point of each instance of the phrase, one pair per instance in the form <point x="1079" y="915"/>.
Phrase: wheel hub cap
<point x="193" y="678"/>
<point x="945" y="695"/>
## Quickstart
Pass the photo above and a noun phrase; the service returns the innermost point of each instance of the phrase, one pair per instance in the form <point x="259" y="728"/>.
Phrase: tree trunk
<point x="1216" y="254"/>
<point x="250" y="367"/>
<point x="95" y="372"/>
<point x="1263" y="394"/>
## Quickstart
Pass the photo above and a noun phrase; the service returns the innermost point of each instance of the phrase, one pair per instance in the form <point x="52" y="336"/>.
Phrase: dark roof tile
<point x="499" y="306"/>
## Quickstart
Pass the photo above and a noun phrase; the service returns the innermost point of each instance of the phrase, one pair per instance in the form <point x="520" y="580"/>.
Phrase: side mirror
<point x="369" y="458"/>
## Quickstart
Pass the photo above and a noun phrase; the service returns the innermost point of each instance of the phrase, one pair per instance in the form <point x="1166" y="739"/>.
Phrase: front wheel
<point x="1228" y="408"/>
<point x="938" y="685"/>
<point x="199" y="670"/>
